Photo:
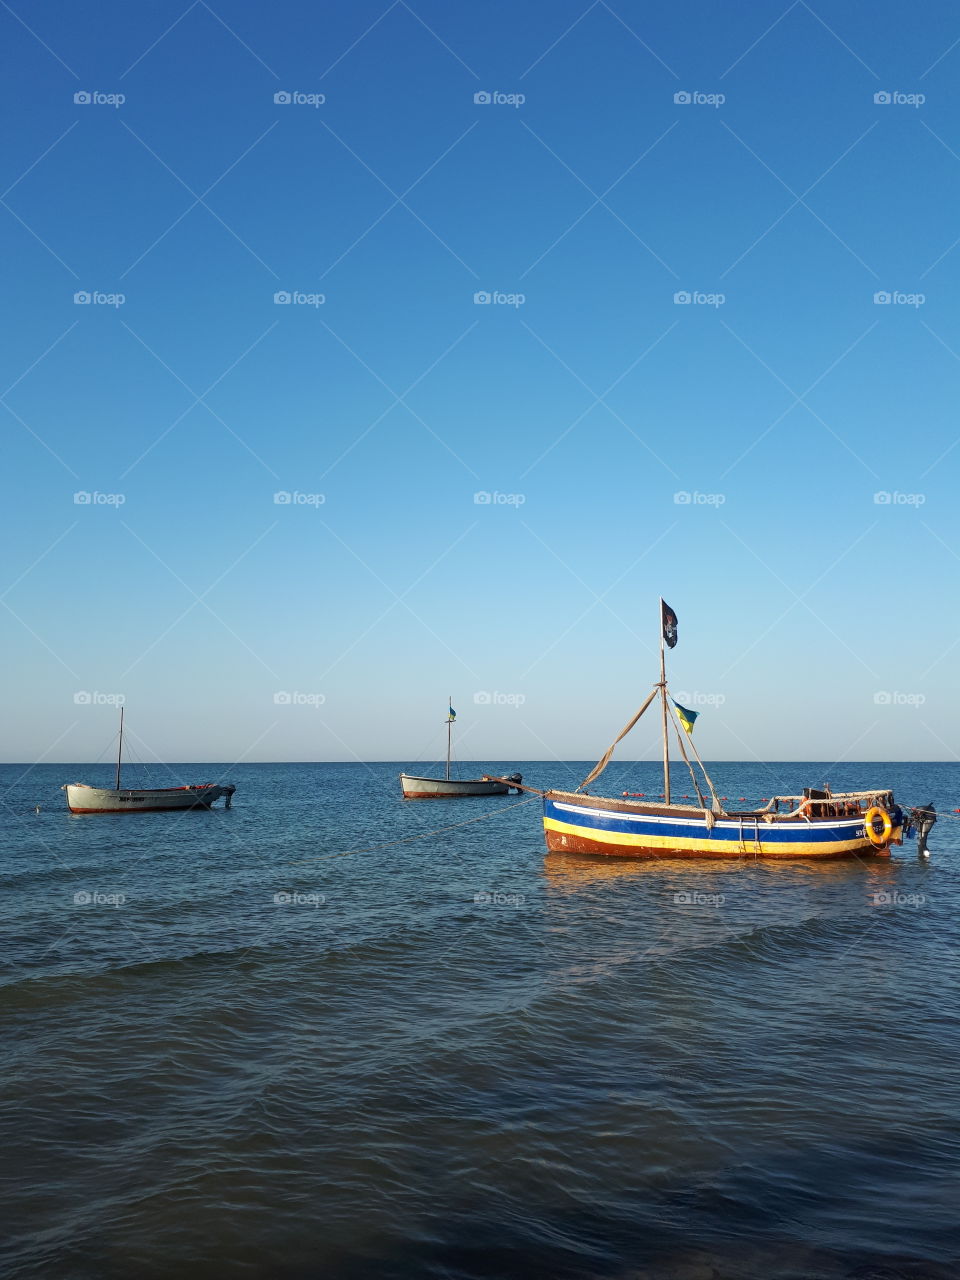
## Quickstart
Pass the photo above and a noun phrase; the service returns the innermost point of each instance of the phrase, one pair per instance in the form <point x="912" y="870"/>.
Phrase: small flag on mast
<point x="668" y="620"/>
<point x="452" y="715"/>
<point x="685" y="716"/>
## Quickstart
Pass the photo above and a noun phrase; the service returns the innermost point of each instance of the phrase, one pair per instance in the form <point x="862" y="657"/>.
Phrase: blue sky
<point x="733" y="155"/>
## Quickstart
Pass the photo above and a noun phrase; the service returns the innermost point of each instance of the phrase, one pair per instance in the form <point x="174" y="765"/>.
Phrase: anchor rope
<point x="349" y="853"/>
<point x="940" y="813"/>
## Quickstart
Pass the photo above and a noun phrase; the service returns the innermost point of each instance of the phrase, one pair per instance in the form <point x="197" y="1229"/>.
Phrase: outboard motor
<point x="516" y="778"/>
<point x="923" y="819"/>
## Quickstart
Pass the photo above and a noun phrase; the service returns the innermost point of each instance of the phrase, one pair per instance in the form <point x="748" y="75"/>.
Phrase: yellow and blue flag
<point x="685" y="716"/>
<point x="452" y="715"/>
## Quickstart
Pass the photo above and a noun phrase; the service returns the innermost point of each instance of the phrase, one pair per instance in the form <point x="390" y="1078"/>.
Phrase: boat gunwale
<point x="693" y="812"/>
<point x="448" y="782"/>
<point x="148" y="791"/>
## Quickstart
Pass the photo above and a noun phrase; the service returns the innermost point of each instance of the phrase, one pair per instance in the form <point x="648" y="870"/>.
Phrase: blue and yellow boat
<point x="817" y="824"/>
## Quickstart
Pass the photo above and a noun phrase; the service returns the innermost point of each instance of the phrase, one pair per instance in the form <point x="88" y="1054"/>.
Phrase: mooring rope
<point x="374" y="848"/>
<point x="940" y="813"/>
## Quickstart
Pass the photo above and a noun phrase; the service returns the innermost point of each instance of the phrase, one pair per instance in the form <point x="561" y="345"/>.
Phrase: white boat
<point x="415" y="788"/>
<point x="82" y="798"/>
<point x="431" y="788"/>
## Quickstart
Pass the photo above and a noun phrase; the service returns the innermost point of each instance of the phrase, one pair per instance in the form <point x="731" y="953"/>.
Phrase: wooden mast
<point x="449" y="723"/>
<point x="663" y="699"/>
<point x="120" y="749"/>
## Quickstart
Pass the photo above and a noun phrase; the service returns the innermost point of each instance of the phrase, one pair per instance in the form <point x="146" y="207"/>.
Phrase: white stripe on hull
<point x="436" y="788"/>
<point x="84" y="799"/>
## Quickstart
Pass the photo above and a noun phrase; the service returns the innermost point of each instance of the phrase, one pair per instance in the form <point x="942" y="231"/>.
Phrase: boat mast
<point x="663" y="701"/>
<point x="120" y="748"/>
<point x="449" y="723"/>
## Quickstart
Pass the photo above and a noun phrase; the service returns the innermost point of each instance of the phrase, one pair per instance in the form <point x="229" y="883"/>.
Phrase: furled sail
<point x="605" y="759"/>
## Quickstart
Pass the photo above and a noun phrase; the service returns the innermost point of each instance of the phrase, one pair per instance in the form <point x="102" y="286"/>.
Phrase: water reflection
<point x="573" y="871"/>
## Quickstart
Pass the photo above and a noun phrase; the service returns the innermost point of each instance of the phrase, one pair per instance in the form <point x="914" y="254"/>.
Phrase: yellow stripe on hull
<point x="712" y="848"/>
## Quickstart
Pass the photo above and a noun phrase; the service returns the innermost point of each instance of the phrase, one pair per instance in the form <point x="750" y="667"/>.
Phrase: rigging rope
<point x="686" y="760"/>
<point x="493" y="813"/>
<point x="693" y="748"/>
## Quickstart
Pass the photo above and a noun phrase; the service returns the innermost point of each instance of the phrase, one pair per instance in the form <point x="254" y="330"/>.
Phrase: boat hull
<point x="448" y="789"/>
<point x="575" y="824"/>
<point x="84" y="799"/>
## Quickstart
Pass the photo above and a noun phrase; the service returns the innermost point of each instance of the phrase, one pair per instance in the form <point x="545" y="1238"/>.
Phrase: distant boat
<point x="82" y="798"/>
<point x="819" y="823"/>
<point x="415" y="788"/>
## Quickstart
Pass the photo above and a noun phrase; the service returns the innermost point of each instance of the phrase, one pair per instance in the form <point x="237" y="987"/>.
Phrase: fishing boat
<point x="415" y="788"/>
<point x="82" y="798"/>
<point x="817" y="823"/>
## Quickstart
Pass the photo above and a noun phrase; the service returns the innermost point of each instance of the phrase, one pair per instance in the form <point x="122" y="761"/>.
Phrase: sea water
<point x="245" y="1043"/>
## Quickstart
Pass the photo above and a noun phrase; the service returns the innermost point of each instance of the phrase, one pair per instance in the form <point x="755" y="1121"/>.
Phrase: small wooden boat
<point x="82" y="798"/>
<point x="441" y="788"/>
<point x="817" y="824"/>
<point x="446" y="788"/>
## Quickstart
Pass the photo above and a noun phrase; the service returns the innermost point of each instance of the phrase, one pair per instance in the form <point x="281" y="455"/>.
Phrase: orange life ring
<point x="879" y="839"/>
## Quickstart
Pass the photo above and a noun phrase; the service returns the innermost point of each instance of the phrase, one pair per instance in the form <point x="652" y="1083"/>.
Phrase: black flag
<point x="668" y="620"/>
